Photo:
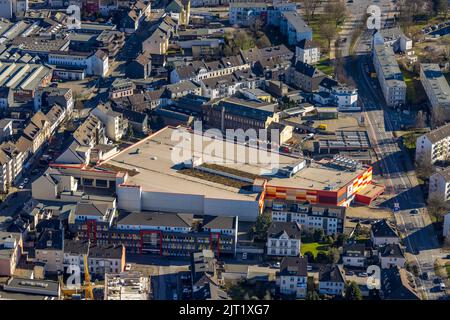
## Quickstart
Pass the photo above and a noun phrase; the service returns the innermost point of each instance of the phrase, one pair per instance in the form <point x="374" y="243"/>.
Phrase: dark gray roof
<point x="392" y="250"/>
<point x="106" y="251"/>
<point x="50" y="240"/>
<point x="307" y="44"/>
<point x="396" y="286"/>
<point x="292" y="229"/>
<point x="218" y="222"/>
<point x="91" y="209"/>
<point x="74" y="247"/>
<point x="331" y="273"/>
<point x="439" y="133"/>
<point x="383" y="228"/>
<point x="308" y="70"/>
<point x="184" y="220"/>
<point x="294" y="266"/>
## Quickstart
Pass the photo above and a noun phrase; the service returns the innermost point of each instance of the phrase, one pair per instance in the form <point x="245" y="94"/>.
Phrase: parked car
<point x="425" y="275"/>
<point x="127" y="267"/>
<point x="244" y="256"/>
<point x="21" y="186"/>
<point x="362" y="274"/>
<point x="414" y="211"/>
<point x="442" y="286"/>
<point x="349" y="273"/>
<point x="275" y="265"/>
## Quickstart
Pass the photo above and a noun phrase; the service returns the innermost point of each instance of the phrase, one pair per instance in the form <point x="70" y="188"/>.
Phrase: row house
<point x="439" y="185"/>
<point x="12" y="159"/>
<point x="305" y="77"/>
<point x="11" y="248"/>
<point x="101" y="259"/>
<point x="328" y="218"/>
<point x="200" y="70"/>
<point x="115" y="124"/>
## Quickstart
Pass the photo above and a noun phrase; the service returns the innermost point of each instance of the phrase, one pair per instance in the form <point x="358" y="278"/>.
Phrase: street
<point x="395" y="169"/>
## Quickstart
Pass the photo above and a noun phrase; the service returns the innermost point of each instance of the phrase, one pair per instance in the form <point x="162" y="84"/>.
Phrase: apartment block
<point x="436" y="88"/>
<point x="328" y="218"/>
<point x="389" y="75"/>
<point x="434" y="146"/>
<point x="284" y="239"/>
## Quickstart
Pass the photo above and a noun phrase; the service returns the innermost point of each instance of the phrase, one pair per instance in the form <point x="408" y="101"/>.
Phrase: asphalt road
<point x="397" y="170"/>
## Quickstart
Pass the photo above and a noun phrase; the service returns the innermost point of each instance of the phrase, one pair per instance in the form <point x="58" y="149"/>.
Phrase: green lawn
<point x="326" y="66"/>
<point x="314" y="248"/>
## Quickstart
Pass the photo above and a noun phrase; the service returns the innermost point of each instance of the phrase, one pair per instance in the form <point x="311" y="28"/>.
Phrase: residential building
<point x="139" y="68"/>
<point x="11" y="248"/>
<point x="293" y="276"/>
<point x="398" y="284"/>
<point x="137" y="120"/>
<point x="354" y="255"/>
<point x="49" y="249"/>
<point x="45" y="98"/>
<point x="37" y="131"/>
<point x="284" y="239"/>
<point x="305" y="76"/>
<point x="446" y="226"/>
<point x="121" y="88"/>
<point x="180" y="11"/>
<point x="434" y="145"/>
<point x="436" y="88"/>
<point x="6" y="129"/>
<point x="391" y="255"/>
<point x="384" y="232"/>
<point x="328" y="218"/>
<point x="389" y="75"/>
<point x="331" y="280"/>
<point x="439" y="185"/>
<point x="307" y="51"/>
<point x="243" y="13"/>
<point x="294" y="27"/>
<point x="235" y="113"/>
<point x="115" y="125"/>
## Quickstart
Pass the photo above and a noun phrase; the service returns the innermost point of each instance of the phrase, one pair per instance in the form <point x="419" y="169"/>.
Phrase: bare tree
<point x="310" y="7"/>
<point x="437" y="207"/>
<point x="329" y="31"/>
<point x="336" y="11"/>
<point x="437" y="117"/>
<point x="421" y="120"/>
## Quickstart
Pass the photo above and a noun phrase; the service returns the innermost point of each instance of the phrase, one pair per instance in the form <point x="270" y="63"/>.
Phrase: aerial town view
<point x="225" y="150"/>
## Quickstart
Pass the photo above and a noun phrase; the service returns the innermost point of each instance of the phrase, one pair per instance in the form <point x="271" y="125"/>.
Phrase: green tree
<point x="334" y="255"/>
<point x="262" y="225"/>
<point x="309" y="255"/>
<point x="312" y="295"/>
<point x="318" y="235"/>
<point x="352" y="291"/>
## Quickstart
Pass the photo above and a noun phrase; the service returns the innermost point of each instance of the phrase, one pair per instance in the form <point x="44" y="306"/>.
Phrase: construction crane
<point x="87" y="286"/>
<point x="88" y="291"/>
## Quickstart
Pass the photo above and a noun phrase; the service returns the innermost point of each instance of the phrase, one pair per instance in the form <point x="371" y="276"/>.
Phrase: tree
<point x="309" y="256"/>
<point x="262" y="225"/>
<point x="310" y="7"/>
<point x="437" y="207"/>
<point x="312" y="295"/>
<point x="341" y="238"/>
<point x="334" y="255"/>
<point x="318" y="235"/>
<point x="336" y="12"/>
<point x="424" y="168"/>
<point x="352" y="291"/>
<point x="329" y="31"/>
<point x="437" y="117"/>
<point x="421" y="120"/>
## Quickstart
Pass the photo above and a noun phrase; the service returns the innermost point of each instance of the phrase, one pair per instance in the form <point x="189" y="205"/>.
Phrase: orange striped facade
<point x="339" y="197"/>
